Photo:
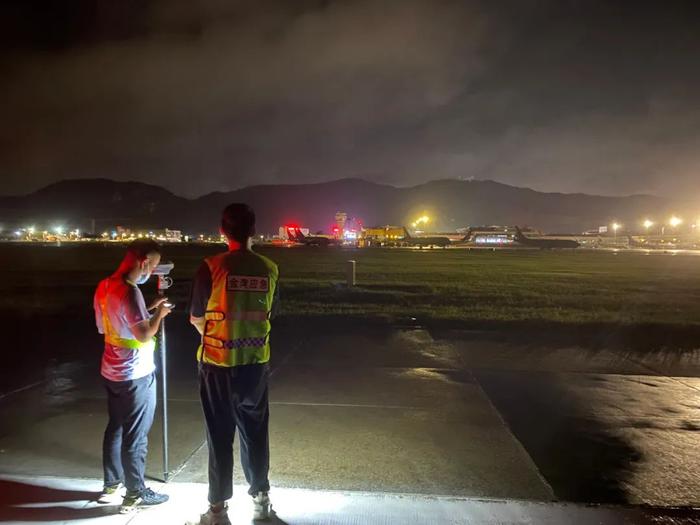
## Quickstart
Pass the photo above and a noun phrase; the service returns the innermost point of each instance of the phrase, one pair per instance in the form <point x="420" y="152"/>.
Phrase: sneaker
<point x="112" y="494"/>
<point x="213" y="518"/>
<point x="261" y="506"/>
<point x="145" y="498"/>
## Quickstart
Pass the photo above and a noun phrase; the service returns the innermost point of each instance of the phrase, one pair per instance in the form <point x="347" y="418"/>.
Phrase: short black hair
<point x="140" y="248"/>
<point x="238" y="222"/>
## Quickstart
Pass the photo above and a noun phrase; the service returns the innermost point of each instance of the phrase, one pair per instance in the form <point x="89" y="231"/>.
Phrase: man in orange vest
<point x="128" y="369"/>
<point x="232" y="302"/>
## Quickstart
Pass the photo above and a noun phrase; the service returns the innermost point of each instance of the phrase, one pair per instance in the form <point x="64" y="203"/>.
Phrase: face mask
<point x="144" y="276"/>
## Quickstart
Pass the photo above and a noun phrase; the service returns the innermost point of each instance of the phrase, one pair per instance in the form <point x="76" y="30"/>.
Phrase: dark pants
<point x="131" y="408"/>
<point x="236" y="398"/>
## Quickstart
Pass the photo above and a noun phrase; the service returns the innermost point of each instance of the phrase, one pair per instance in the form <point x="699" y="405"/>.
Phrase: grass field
<point x="450" y="285"/>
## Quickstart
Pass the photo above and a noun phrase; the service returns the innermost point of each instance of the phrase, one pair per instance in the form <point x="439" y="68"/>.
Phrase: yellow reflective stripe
<point x="214" y="316"/>
<point x="241" y="315"/>
<point x="213" y="341"/>
<point x="133" y="344"/>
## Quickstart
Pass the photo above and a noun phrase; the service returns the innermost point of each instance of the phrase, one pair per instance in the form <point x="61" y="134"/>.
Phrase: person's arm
<point x="98" y="311"/>
<point x="198" y="323"/>
<point x="143" y="326"/>
<point x="157" y="302"/>
<point x="201" y="290"/>
<point x="147" y="329"/>
<point x="275" y="301"/>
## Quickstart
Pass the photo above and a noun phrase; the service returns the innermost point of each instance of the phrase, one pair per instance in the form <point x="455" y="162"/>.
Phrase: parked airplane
<point x="442" y="242"/>
<point x="544" y="244"/>
<point x="295" y="234"/>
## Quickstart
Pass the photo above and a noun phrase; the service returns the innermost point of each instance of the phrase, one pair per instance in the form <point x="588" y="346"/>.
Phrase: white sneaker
<point x="213" y="518"/>
<point x="261" y="506"/>
<point x="112" y="495"/>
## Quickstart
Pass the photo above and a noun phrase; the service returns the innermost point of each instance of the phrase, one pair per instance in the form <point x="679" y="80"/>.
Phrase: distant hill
<point x="451" y="203"/>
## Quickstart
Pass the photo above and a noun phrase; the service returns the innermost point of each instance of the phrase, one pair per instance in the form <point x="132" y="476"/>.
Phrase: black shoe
<point x="145" y="498"/>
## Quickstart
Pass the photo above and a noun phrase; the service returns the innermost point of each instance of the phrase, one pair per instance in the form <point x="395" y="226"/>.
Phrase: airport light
<point x="675" y="221"/>
<point x="58" y="230"/>
<point x="648" y="224"/>
<point x="423" y="219"/>
<point x="31" y="230"/>
<point x="615" y="226"/>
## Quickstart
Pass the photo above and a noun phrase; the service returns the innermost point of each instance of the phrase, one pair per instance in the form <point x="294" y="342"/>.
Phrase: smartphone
<point x="169" y="305"/>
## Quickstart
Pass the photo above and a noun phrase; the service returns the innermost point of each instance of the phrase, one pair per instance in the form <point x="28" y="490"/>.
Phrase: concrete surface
<point x="29" y="501"/>
<point x="405" y="410"/>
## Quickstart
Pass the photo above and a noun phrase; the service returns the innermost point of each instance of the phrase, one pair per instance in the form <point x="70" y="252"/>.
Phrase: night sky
<point x="573" y="96"/>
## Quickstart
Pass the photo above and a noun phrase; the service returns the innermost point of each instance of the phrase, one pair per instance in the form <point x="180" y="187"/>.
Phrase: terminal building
<point x="382" y="235"/>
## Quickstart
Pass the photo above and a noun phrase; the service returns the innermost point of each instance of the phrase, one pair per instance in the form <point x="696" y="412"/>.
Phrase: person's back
<point x="232" y="302"/>
<point x="238" y="309"/>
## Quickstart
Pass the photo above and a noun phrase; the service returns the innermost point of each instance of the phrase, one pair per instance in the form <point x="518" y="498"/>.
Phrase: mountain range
<point x="450" y="203"/>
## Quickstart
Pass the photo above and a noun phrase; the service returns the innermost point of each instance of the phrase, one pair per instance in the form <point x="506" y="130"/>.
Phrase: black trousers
<point x="236" y="398"/>
<point x="132" y="405"/>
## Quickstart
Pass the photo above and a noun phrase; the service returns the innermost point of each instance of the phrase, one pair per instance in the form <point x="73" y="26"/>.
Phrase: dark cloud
<point x="214" y="95"/>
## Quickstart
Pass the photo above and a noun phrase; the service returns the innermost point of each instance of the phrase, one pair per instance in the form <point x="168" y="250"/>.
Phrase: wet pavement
<point x="404" y="410"/>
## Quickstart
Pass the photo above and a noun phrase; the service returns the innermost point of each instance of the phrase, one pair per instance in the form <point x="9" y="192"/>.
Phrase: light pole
<point x="615" y="227"/>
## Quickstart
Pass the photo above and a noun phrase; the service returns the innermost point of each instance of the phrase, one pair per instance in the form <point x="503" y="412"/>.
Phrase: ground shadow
<point x="581" y="457"/>
<point x="16" y="495"/>
<point x="274" y="520"/>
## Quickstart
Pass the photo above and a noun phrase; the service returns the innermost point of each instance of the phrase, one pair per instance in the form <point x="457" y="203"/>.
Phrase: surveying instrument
<point x="162" y="271"/>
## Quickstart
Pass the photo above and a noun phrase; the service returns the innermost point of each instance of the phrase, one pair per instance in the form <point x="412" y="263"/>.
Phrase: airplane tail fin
<point x="405" y="230"/>
<point x="467" y="235"/>
<point x="519" y="234"/>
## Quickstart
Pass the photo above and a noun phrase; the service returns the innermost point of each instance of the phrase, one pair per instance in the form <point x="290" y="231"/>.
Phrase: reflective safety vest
<point x="237" y="319"/>
<point x="111" y="335"/>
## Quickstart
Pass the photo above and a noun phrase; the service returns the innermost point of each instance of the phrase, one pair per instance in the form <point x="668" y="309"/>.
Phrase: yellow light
<point x="423" y="219"/>
<point x="648" y="224"/>
<point x="615" y="226"/>
<point x="675" y="221"/>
